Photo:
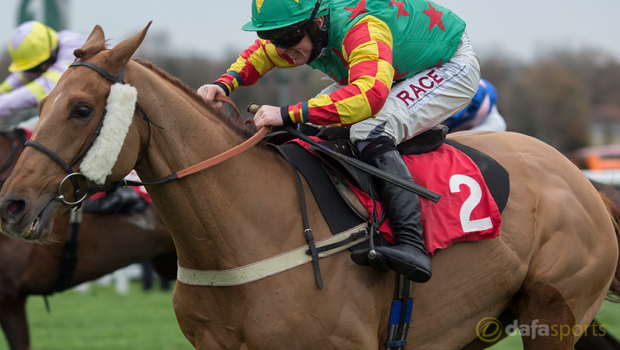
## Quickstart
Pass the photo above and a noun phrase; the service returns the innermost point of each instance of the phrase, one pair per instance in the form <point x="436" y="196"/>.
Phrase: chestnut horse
<point x="105" y="243"/>
<point x="553" y="262"/>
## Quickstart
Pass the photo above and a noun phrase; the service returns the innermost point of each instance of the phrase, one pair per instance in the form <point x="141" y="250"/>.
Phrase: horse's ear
<point x="122" y="52"/>
<point x="94" y="44"/>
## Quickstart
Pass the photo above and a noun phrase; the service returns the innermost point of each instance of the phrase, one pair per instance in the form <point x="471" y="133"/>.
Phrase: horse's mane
<point x="244" y="132"/>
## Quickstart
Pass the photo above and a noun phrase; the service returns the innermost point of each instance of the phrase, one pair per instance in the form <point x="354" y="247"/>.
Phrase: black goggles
<point x="290" y="38"/>
<point x="285" y="41"/>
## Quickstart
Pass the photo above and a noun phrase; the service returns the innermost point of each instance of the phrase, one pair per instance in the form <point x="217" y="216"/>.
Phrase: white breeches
<point x="424" y="100"/>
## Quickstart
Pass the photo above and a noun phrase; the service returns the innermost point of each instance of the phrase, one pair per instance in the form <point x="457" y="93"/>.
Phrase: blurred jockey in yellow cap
<point x="40" y="56"/>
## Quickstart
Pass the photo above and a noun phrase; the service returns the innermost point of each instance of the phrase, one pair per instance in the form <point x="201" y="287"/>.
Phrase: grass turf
<point x="102" y="319"/>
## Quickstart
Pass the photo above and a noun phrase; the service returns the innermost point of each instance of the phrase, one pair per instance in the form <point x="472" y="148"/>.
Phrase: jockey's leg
<point x="408" y="256"/>
<point x="414" y="105"/>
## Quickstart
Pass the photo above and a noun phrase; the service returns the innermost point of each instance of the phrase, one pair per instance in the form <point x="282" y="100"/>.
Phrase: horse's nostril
<point x="16" y="207"/>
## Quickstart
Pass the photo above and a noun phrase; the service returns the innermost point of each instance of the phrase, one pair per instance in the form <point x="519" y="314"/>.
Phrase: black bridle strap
<point x="57" y="159"/>
<point x="50" y="154"/>
<point x="148" y="142"/>
<point x="92" y="141"/>
<point x="68" y="167"/>
<point x="54" y="156"/>
<point x="120" y="80"/>
<point x="101" y="71"/>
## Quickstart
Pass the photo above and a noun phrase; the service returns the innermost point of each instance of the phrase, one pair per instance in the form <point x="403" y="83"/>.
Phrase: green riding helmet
<point x="275" y="14"/>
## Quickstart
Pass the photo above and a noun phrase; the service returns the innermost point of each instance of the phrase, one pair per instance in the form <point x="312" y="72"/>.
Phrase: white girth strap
<point x="267" y="267"/>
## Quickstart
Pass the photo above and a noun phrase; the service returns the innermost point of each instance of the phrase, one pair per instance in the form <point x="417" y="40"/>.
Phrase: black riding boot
<point x="408" y="256"/>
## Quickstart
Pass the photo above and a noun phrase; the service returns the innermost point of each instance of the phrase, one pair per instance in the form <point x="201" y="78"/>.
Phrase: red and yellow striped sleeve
<point x="367" y="49"/>
<point x="252" y="64"/>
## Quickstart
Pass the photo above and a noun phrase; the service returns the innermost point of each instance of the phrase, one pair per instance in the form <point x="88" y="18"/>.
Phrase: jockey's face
<point x="300" y="53"/>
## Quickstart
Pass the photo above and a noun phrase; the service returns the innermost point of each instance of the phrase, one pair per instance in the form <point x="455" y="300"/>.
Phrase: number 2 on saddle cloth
<point x="471" y="199"/>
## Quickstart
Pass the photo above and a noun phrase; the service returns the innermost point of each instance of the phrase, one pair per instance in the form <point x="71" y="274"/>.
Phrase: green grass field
<point x="102" y="319"/>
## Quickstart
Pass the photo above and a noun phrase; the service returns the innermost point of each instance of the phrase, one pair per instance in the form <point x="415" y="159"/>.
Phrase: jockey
<point x="40" y="56"/>
<point x="481" y="114"/>
<point x="400" y="68"/>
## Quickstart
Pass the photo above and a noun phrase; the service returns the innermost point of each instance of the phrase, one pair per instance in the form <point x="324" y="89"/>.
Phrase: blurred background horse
<point x="105" y="244"/>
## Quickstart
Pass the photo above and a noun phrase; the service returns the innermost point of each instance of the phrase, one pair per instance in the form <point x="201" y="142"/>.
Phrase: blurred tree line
<point x="278" y="87"/>
<point x="567" y="99"/>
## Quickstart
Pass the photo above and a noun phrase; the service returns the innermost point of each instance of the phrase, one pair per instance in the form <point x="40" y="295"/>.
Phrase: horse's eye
<point x="82" y="112"/>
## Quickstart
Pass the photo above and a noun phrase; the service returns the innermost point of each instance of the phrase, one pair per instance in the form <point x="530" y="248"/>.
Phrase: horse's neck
<point x="225" y="216"/>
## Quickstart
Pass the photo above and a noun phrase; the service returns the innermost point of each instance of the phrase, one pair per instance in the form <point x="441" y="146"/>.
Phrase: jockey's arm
<point x="14" y="81"/>
<point x="16" y="100"/>
<point x="252" y="64"/>
<point x="28" y="95"/>
<point x="367" y="49"/>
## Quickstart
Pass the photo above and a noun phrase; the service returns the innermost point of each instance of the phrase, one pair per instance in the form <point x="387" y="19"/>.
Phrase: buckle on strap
<point x="315" y="257"/>
<point x="308" y="235"/>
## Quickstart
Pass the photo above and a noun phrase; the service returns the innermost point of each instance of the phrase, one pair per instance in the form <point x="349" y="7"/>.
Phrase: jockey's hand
<point x="268" y="116"/>
<point x="208" y="93"/>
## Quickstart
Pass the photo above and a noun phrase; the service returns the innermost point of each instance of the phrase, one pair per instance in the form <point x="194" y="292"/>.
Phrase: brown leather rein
<point x="249" y="143"/>
<point x="179" y="174"/>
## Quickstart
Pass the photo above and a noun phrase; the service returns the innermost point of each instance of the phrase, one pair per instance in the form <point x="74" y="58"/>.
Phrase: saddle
<point x="331" y="180"/>
<point x="342" y="174"/>
<point x="345" y="194"/>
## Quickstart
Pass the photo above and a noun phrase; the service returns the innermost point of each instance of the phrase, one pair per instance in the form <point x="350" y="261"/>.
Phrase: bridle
<point x="72" y="175"/>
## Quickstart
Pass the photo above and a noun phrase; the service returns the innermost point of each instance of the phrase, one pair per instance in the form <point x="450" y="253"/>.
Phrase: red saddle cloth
<point x="466" y="210"/>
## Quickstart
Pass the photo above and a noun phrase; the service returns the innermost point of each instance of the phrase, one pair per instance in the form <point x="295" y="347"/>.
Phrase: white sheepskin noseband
<point x="102" y="156"/>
